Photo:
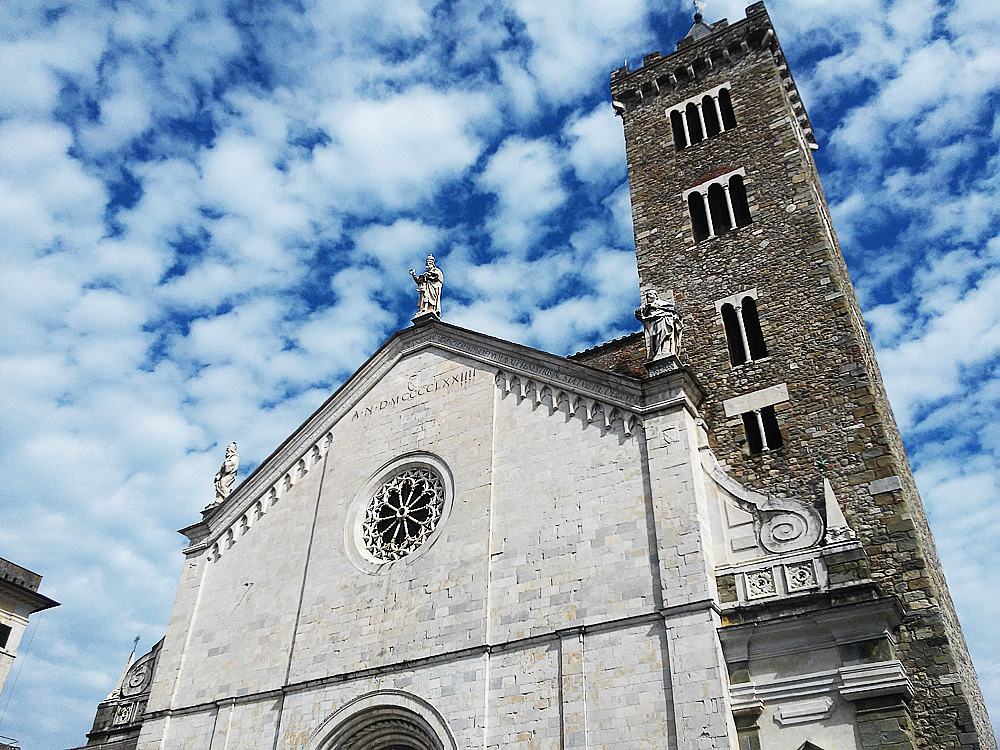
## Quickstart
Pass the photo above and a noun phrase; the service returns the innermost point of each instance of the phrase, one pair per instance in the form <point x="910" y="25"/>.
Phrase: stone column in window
<point x="732" y="216"/>
<point x="687" y="127"/>
<point x="760" y="426"/>
<point x="708" y="213"/>
<point x="701" y="116"/>
<point x="742" y="327"/>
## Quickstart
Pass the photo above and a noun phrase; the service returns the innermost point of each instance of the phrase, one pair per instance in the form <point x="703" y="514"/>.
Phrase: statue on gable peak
<point x="429" y="285"/>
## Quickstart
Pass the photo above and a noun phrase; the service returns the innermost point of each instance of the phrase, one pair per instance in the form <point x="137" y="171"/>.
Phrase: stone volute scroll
<point x="429" y="285"/>
<point x="225" y="478"/>
<point x="662" y="328"/>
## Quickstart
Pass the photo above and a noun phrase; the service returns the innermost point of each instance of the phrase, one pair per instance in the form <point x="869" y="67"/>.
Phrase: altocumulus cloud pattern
<point x="208" y="210"/>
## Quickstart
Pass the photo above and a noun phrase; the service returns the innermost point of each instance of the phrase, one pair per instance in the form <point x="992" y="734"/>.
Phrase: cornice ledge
<point x="853" y="683"/>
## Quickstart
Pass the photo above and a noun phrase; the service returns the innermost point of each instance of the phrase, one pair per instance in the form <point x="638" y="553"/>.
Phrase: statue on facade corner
<point x="226" y="476"/>
<point x="429" y="285"/>
<point x="661" y="325"/>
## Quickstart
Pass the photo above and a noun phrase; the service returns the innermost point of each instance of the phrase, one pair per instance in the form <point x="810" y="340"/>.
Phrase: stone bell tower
<point x="730" y="215"/>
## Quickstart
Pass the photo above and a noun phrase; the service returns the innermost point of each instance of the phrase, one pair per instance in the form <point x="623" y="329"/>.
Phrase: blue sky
<point x="208" y="211"/>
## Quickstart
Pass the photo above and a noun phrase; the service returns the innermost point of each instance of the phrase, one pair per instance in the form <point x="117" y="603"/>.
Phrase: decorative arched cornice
<point x="591" y="409"/>
<point x="309" y="443"/>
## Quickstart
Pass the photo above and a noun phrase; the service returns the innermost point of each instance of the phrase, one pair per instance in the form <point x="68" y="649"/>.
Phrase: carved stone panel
<point x="760" y="583"/>
<point x="801" y="576"/>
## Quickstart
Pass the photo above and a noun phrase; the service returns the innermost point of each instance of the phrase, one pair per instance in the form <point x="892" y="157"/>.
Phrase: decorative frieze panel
<point x="760" y="583"/>
<point x="123" y="713"/>
<point x="778" y="579"/>
<point x="590" y="409"/>
<point x="801" y="576"/>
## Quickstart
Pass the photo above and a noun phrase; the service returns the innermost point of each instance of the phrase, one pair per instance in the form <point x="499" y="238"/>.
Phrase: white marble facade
<point x="566" y="596"/>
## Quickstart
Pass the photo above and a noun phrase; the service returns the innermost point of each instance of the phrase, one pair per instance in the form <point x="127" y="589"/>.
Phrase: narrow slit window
<point x="699" y="218"/>
<point x="772" y="433"/>
<point x="5" y="631"/>
<point x="712" y="127"/>
<point x="737" y="354"/>
<point x="755" y="440"/>
<point x="751" y="324"/>
<point x="677" y="125"/>
<point x="694" y="124"/>
<point x="718" y="206"/>
<point x="726" y="109"/>
<point x="738" y="198"/>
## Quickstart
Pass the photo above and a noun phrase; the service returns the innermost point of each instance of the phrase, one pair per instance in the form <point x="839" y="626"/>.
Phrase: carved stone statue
<point x="429" y="285"/>
<point x="226" y="477"/>
<point x="661" y="325"/>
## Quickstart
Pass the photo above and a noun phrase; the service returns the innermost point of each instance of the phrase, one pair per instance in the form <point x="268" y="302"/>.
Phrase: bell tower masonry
<point x="730" y="216"/>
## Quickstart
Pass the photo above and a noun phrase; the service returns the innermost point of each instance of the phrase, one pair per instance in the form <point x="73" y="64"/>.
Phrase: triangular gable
<point x="598" y="394"/>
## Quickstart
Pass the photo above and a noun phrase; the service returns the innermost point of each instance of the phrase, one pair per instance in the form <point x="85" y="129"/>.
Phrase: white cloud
<point x="525" y="176"/>
<point x="577" y="42"/>
<point x="291" y="162"/>
<point x="395" y="245"/>
<point x="597" y="146"/>
<point x="394" y="153"/>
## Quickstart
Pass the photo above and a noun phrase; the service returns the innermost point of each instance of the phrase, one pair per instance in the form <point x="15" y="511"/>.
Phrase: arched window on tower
<point x="738" y="199"/>
<point x="726" y="108"/>
<point x="737" y="353"/>
<point x="699" y="217"/>
<point x="694" y="123"/>
<point x="718" y="207"/>
<point x="751" y="324"/>
<point x="724" y="200"/>
<point x="702" y="117"/>
<point x="744" y="337"/>
<point x="677" y="125"/>
<point x="762" y="430"/>
<point x="712" y="127"/>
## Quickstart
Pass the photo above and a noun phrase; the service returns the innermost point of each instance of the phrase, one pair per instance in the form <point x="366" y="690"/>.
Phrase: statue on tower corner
<point x="662" y="328"/>
<point x="226" y="476"/>
<point x="429" y="285"/>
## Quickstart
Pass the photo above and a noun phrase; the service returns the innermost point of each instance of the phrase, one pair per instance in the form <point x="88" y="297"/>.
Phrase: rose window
<point x="403" y="513"/>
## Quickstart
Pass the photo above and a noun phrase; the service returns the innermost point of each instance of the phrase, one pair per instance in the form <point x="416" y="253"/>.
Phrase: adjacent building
<point x="19" y="599"/>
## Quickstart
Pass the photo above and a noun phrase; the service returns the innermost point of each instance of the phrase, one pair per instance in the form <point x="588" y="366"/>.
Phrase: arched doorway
<point x="384" y="720"/>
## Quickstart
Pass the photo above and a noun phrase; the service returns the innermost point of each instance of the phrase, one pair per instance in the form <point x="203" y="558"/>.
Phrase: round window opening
<point x="403" y="513"/>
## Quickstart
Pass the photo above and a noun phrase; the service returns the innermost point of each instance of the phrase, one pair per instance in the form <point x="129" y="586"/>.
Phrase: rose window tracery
<point x="403" y="513"/>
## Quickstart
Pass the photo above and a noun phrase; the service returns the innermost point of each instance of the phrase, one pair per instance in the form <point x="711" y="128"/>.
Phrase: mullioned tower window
<point x="718" y="206"/>
<point x="744" y="336"/>
<point x="762" y="431"/>
<point x="704" y="116"/>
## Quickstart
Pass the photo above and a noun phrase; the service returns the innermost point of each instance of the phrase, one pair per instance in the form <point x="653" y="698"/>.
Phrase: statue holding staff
<point x="429" y="285"/>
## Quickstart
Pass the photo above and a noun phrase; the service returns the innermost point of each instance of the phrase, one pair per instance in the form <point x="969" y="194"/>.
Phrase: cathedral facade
<point x="705" y="535"/>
